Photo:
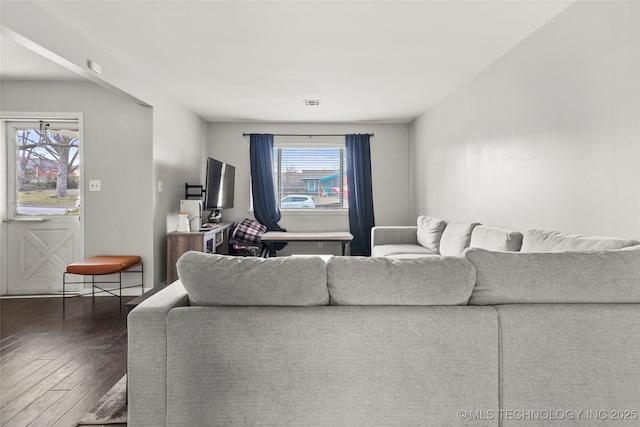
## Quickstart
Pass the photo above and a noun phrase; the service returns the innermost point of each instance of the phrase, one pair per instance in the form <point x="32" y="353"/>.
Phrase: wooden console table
<point x="270" y="238"/>
<point x="214" y="240"/>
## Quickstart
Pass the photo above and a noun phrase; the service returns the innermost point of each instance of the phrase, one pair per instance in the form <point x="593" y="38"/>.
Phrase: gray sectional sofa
<point x="434" y="236"/>
<point x="483" y="339"/>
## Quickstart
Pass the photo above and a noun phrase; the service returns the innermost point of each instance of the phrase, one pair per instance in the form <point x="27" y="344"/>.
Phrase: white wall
<point x="389" y="161"/>
<point x="179" y="144"/>
<point x="548" y="136"/>
<point x="178" y="135"/>
<point x="118" y="150"/>
<point x="3" y="208"/>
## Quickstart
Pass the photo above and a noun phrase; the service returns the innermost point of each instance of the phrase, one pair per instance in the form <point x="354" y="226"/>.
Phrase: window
<point x="310" y="176"/>
<point x="47" y="168"/>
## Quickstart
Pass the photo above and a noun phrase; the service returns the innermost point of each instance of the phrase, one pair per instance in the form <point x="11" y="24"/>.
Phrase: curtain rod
<point x="309" y="135"/>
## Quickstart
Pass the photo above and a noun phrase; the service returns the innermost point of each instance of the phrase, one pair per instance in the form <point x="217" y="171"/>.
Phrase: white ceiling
<point x="384" y="61"/>
<point x="19" y="63"/>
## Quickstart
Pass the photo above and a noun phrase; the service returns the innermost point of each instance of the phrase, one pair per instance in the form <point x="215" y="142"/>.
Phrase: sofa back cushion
<point x="224" y="280"/>
<point x="434" y="280"/>
<point x="495" y="239"/>
<point x="553" y="241"/>
<point x="456" y="237"/>
<point x="430" y="232"/>
<point x="561" y="277"/>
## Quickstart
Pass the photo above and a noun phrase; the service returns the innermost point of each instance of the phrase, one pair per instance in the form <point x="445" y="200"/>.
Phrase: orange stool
<point x="103" y="265"/>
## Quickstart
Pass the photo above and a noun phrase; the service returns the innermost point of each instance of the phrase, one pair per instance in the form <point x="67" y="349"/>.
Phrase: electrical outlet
<point x="319" y="244"/>
<point x="94" y="185"/>
<point x="159" y="186"/>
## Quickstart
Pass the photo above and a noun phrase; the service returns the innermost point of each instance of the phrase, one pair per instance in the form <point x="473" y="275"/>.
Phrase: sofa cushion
<point x="434" y="280"/>
<point x="224" y="280"/>
<point x="537" y="240"/>
<point x="560" y="277"/>
<point x="387" y="250"/>
<point x="495" y="239"/>
<point x="430" y="232"/>
<point x="456" y="237"/>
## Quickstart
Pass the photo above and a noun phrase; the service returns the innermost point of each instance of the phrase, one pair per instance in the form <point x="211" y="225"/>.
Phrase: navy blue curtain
<point x="265" y="206"/>
<point x="361" y="218"/>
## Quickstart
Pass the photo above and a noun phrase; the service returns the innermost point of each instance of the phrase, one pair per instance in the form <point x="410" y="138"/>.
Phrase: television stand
<point x="214" y="240"/>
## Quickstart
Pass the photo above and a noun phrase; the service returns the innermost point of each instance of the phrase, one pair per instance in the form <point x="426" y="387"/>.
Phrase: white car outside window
<point x="298" y="201"/>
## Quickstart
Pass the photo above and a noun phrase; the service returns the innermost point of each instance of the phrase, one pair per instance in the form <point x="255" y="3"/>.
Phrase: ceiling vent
<point x="311" y="102"/>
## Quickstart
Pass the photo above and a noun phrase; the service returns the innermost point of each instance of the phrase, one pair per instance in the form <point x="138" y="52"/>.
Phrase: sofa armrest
<point x="394" y="235"/>
<point x="147" y="356"/>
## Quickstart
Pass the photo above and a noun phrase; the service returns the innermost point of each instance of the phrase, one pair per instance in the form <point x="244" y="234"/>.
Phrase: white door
<point x="44" y="231"/>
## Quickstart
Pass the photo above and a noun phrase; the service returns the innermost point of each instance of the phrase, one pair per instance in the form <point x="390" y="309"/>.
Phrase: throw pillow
<point x="495" y="239"/>
<point x="430" y="232"/>
<point x="248" y="233"/>
<point x="553" y="241"/>
<point x="456" y="237"/>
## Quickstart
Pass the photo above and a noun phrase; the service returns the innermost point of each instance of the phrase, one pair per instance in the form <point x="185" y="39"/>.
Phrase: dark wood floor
<point x="54" y="368"/>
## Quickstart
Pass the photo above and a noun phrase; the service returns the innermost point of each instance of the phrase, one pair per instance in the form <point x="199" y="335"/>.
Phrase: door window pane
<point x="47" y="171"/>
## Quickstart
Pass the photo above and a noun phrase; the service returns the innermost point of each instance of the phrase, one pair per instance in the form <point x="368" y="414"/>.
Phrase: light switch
<point x="94" y="185"/>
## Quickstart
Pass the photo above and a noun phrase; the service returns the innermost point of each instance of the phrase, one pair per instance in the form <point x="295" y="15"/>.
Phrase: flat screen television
<point x="219" y="187"/>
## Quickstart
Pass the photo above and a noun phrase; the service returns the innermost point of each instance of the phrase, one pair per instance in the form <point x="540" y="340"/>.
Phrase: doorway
<point x="43" y="215"/>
